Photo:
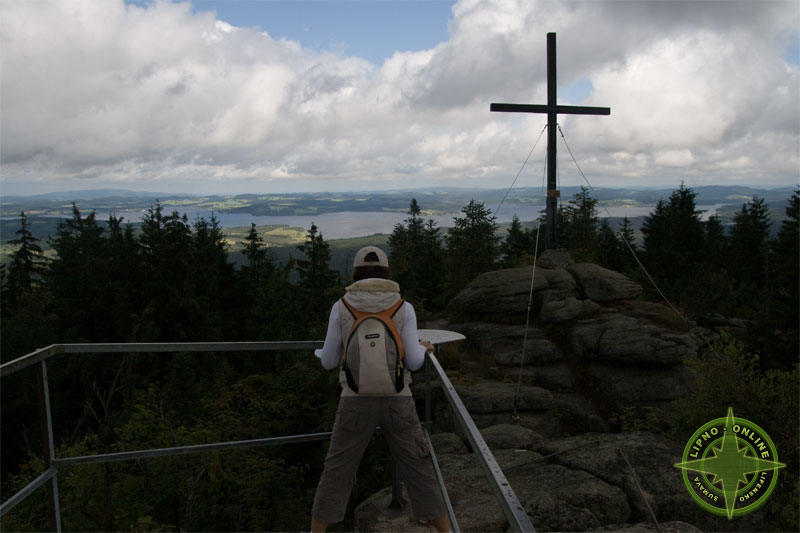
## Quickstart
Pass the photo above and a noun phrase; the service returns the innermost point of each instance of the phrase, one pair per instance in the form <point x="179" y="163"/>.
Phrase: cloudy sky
<point x="283" y="96"/>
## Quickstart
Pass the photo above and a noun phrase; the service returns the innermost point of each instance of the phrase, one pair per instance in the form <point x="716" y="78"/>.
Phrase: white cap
<point x="362" y="261"/>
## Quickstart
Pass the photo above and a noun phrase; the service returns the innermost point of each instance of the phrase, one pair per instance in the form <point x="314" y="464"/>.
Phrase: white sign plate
<point x="439" y="336"/>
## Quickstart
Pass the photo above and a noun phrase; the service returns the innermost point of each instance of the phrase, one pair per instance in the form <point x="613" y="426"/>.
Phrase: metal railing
<point x="512" y="508"/>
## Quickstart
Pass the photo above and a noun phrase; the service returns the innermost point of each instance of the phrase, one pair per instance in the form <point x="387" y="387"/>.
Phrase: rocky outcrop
<point x="504" y="294"/>
<point x="556" y="402"/>
<point x="589" y="339"/>
<point x="493" y="397"/>
<point x="571" y="484"/>
<point x="558" y="311"/>
<point x="626" y="339"/>
<point x="565" y="499"/>
<point x="505" y="343"/>
<point x="511" y="437"/>
<point x="448" y="443"/>
<point x="651" y="457"/>
<point x="603" y="285"/>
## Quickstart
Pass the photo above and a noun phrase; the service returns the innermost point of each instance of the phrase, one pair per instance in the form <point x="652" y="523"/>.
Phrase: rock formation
<point x="561" y="403"/>
<point x="587" y="486"/>
<point x="601" y="353"/>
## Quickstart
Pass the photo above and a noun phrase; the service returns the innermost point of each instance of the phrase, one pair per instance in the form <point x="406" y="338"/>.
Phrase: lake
<point x="347" y="224"/>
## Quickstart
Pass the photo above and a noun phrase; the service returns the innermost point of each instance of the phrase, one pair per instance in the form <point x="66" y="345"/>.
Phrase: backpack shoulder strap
<point x="347" y="320"/>
<point x="398" y="319"/>
<point x="386" y="316"/>
<point x="356" y="314"/>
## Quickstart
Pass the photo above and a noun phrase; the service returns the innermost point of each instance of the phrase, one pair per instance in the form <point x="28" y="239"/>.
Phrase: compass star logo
<point x="730" y="466"/>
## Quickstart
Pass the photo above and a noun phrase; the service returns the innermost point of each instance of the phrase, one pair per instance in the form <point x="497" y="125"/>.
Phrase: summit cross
<point x="553" y="110"/>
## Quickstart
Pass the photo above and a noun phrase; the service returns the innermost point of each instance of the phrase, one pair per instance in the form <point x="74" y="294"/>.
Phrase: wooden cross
<point x="552" y="109"/>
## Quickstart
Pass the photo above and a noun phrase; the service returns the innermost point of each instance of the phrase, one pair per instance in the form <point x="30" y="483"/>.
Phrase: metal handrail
<point x="42" y="354"/>
<point x="28" y="489"/>
<point x="510" y="504"/>
<point x="184" y="450"/>
<point x="518" y="519"/>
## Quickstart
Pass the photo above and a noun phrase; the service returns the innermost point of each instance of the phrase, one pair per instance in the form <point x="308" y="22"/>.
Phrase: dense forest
<point x="169" y="280"/>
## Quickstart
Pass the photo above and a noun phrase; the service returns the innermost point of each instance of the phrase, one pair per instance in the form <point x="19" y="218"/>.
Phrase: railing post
<point x="442" y="487"/>
<point x="48" y="447"/>
<point x="427" y="390"/>
<point x="396" y="488"/>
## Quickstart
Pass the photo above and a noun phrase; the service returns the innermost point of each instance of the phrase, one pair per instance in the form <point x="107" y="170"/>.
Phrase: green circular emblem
<point x="730" y="466"/>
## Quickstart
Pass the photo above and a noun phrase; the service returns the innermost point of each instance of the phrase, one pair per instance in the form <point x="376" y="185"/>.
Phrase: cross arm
<point x="559" y="109"/>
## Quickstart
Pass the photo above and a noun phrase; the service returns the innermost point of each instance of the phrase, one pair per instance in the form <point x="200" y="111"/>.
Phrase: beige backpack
<point x="374" y="350"/>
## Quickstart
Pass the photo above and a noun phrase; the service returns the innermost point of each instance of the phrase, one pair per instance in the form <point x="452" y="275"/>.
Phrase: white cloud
<point x="674" y="158"/>
<point x="98" y="90"/>
<point x="674" y="94"/>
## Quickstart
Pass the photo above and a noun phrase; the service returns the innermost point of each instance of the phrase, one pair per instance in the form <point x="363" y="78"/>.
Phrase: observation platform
<point x="37" y="362"/>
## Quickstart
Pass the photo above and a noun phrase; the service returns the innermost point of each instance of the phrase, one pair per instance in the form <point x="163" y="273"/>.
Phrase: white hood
<point x="373" y="294"/>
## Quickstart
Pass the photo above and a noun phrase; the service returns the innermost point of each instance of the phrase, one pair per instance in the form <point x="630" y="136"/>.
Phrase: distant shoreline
<point x="351" y="224"/>
<point x="357" y="214"/>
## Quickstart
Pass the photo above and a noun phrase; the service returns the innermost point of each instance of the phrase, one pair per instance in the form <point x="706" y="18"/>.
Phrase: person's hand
<point x="427" y="345"/>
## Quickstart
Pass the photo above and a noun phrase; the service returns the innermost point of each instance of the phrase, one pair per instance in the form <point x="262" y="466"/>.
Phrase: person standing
<point x="358" y="415"/>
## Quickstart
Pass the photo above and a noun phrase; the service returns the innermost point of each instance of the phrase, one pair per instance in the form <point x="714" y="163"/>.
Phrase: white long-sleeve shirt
<point x="333" y="348"/>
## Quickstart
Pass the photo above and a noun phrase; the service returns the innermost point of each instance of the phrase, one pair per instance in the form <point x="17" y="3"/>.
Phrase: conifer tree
<point x="214" y="280"/>
<point x="472" y="246"/>
<point x="628" y="247"/>
<point x="169" y="313"/>
<point x="625" y="233"/>
<point x="431" y="264"/>
<point x="78" y="276"/>
<point x="26" y="304"/>
<point x="716" y="244"/>
<point x="714" y="290"/>
<point x="611" y="253"/>
<point x="518" y="244"/>
<point x="260" y="264"/>
<point x="673" y="238"/>
<point x="314" y="271"/>
<point x="124" y="286"/>
<point x="317" y="281"/>
<point x="787" y="243"/>
<point x="27" y="264"/>
<point x="749" y="243"/>
<point x="578" y="230"/>
<point x="778" y="337"/>
<point x="402" y="244"/>
<point x="415" y="257"/>
<point x="657" y="231"/>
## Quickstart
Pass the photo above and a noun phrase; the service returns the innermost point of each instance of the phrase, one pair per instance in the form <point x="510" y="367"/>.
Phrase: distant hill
<point x="432" y="200"/>
<point x="44" y="210"/>
<point x="87" y="194"/>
